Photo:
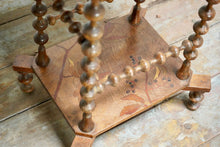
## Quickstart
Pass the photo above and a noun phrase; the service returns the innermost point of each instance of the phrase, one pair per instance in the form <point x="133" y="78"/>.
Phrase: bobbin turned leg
<point x="22" y="65"/>
<point x="206" y="13"/>
<point x="91" y="48"/>
<point x="40" y="38"/>
<point x="135" y="16"/>
<point x="199" y="84"/>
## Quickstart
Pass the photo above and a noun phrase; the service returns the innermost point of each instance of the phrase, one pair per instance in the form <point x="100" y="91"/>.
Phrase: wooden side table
<point x="145" y="69"/>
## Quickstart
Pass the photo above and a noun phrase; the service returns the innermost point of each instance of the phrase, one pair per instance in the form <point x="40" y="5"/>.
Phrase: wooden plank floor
<point x="34" y="120"/>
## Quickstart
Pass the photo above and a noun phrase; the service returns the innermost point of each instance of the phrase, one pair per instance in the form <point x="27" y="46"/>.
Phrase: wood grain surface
<point x="123" y="44"/>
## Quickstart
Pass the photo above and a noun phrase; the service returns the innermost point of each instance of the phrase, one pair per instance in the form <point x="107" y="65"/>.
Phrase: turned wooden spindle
<point x="39" y="9"/>
<point x="135" y="16"/>
<point x="206" y="13"/>
<point x="143" y="65"/>
<point x="91" y="48"/>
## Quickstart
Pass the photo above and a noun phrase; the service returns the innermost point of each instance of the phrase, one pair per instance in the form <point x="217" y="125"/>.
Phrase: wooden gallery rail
<point x="128" y="41"/>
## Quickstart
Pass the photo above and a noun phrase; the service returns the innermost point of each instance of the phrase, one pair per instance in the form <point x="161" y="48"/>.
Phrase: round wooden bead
<point x="145" y="65"/>
<point x="86" y="94"/>
<point x="161" y="58"/>
<point x="129" y="71"/>
<point x="40" y="25"/>
<point x="66" y="16"/>
<point x="79" y="8"/>
<point x="75" y="27"/>
<point x="187" y="45"/>
<point x="87" y="107"/>
<point x="39" y="9"/>
<point x="113" y="79"/>
<point x="175" y="51"/>
<point x="190" y="54"/>
<point x="197" y="40"/>
<point x="51" y="19"/>
<point x="206" y="13"/>
<point x="88" y="81"/>
<point x="92" y="33"/>
<point x="41" y="38"/>
<point x="58" y="5"/>
<point x="94" y="13"/>
<point x="213" y="1"/>
<point x="200" y="28"/>
<point x="91" y="50"/>
<point x="89" y="66"/>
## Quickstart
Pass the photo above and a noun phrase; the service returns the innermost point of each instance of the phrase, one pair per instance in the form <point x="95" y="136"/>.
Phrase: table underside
<point x="123" y="44"/>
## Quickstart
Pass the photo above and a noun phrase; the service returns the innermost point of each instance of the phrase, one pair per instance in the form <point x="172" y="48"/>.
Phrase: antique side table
<point x="152" y="70"/>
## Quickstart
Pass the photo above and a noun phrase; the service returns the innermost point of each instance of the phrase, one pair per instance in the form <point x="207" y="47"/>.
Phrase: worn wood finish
<point x="206" y="13"/>
<point x="212" y="69"/>
<point x="199" y="82"/>
<point x="133" y="97"/>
